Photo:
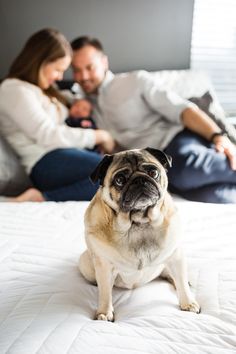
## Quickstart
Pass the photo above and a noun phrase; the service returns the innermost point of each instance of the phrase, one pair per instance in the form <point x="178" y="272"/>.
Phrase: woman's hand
<point x="224" y="145"/>
<point x="105" y="141"/>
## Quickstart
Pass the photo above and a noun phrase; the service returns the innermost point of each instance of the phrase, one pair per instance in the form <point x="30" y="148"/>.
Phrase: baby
<point x="80" y="115"/>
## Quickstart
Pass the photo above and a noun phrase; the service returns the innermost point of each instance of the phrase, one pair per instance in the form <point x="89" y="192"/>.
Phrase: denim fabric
<point x="199" y="172"/>
<point x="63" y="174"/>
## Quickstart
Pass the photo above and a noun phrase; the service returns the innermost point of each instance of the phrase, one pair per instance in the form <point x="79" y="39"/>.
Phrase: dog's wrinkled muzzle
<point x="139" y="194"/>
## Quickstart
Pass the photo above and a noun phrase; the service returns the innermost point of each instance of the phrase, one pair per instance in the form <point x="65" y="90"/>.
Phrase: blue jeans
<point x="63" y="174"/>
<point x="199" y="172"/>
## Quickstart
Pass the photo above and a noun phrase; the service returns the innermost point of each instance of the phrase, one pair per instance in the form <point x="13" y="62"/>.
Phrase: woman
<point x="32" y="118"/>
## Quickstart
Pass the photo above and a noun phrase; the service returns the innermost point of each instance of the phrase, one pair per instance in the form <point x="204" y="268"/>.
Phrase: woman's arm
<point x="26" y="109"/>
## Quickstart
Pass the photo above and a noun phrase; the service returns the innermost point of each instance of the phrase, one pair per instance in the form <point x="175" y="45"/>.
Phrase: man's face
<point x="89" y="67"/>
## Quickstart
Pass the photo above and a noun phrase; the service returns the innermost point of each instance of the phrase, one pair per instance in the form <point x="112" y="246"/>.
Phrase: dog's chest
<point x="143" y="244"/>
<point x="143" y="250"/>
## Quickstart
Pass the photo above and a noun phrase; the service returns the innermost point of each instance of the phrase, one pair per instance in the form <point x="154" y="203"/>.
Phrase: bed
<point x="47" y="307"/>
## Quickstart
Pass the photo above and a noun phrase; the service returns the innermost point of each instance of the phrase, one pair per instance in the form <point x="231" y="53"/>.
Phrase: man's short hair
<point x="81" y="42"/>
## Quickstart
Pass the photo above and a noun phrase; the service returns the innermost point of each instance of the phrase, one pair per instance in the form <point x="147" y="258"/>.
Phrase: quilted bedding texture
<point x="47" y="307"/>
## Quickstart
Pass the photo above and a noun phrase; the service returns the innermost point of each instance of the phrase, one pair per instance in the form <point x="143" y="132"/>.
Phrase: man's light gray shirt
<point x="134" y="109"/>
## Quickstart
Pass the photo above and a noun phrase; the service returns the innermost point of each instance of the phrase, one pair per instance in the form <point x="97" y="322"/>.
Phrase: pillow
<point x="13" y="178"/>
<point x="204" y="103"/>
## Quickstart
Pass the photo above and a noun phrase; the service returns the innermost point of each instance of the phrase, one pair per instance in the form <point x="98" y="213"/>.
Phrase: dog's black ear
<point x="165" y="160"/>
<point x="100" y="171"/>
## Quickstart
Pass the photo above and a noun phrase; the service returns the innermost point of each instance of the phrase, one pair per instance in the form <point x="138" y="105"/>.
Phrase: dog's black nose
<point x="140" y="181"/>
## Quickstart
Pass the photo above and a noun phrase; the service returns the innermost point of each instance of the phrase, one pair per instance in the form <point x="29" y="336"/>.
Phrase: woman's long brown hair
<point x="45" y="46"/>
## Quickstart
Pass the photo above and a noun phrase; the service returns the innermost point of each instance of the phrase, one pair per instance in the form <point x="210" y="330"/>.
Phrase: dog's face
<point x="134" y="179"/>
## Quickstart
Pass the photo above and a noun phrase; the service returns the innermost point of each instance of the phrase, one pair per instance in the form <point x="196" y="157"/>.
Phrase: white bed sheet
<point x="47" y="307"/>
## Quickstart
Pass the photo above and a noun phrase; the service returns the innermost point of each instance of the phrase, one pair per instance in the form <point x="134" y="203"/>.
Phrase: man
<point x="139" y="114"/>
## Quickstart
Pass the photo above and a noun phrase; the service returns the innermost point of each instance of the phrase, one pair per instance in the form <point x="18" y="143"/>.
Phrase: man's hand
<point x="224" y="145"/>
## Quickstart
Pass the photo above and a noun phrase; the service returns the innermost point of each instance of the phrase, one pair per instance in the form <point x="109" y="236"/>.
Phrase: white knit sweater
<point x="34" y="124"/>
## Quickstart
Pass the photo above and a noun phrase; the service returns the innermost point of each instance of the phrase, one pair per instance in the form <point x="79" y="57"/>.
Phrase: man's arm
<point x="199" y="122"/>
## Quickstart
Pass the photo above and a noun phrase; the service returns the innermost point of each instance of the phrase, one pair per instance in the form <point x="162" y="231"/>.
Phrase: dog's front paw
<point x="192" y="307"/>
<point x="109" y="316"/>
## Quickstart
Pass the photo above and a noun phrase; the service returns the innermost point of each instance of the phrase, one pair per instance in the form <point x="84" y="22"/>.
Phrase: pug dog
<point x="133" y="230"/>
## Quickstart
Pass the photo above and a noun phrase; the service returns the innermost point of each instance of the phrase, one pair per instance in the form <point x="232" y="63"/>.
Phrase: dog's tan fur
<point x="130" y="248"/>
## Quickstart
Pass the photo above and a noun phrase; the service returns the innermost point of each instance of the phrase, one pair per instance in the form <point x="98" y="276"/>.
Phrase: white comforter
<point x="47" y="307"/>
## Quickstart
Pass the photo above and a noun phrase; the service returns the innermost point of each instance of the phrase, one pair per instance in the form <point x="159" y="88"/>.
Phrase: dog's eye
<point x="154" y="173"/>
<point x="120" y="180"/>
